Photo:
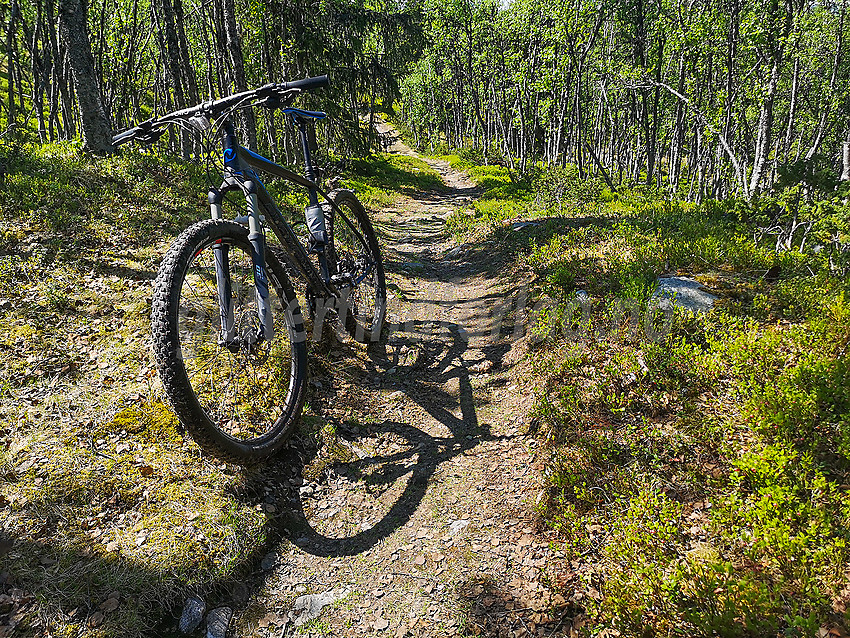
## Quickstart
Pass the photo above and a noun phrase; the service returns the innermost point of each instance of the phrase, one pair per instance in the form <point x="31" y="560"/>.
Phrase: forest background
<point x="702" y="99"/>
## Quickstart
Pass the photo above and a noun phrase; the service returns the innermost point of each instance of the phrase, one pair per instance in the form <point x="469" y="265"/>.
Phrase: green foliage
<point x="56" y="187"/>
<point x="697" y="473"/>
<point x="379" y="179"/>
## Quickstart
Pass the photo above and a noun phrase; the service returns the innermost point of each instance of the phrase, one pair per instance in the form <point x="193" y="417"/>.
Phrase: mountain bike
<point x="229" y="338"/>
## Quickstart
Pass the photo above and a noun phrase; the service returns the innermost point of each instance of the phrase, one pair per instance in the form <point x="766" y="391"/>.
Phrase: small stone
<point x="269" y="561"/>
<point x="192" y="615"/>
<point x="110" y="604"/>
<point x="310" y="606"/>
<point x="458" y="525"/>
<point x="218" y="621"/>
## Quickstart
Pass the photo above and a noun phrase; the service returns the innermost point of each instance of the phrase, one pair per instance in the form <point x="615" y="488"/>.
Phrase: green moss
<point x="153" y="422"/>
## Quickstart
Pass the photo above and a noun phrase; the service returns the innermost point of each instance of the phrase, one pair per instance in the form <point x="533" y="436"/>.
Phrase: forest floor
<point x="429" y="529"/>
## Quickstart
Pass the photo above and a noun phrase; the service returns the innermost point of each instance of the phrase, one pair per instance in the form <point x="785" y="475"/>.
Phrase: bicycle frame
<point x="240" y="166"/>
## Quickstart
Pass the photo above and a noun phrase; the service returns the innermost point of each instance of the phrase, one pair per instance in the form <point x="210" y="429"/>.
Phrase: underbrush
<point x="502" y="201"/>
<point x="697" y="464"/>
<point x="109" y="515"/>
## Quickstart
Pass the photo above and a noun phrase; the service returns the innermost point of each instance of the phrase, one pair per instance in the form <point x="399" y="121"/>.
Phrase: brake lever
<point x="271" y="103"/>
<point x="279" y="101"/>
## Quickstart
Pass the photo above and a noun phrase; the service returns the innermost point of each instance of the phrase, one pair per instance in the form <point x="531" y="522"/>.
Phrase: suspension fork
<point x="235" y="176"/>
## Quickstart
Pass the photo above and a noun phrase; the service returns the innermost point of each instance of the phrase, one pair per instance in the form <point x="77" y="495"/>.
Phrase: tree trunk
<point x="10" y="61"/>
<point x="827" y="108"/>
<point x="765" y="128"/>
<point x="234" y="47"/>
<point x="792" y="108"/>
<point x="97" y="134"/>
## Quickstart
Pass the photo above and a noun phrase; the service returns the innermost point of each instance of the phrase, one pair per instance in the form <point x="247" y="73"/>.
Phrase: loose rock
<point x="193" y="614"/>
<point x="308" y="607"/>
<point x="217" y="622"/>
<point x="682" y="292"/>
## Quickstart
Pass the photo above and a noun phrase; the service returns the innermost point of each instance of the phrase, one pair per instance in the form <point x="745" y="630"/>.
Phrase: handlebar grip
<point x="308" y="84"/>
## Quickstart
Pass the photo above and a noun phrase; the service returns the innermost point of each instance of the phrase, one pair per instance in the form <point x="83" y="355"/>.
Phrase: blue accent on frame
<point x="258" y="156"/>
<point x="319" y="115"/>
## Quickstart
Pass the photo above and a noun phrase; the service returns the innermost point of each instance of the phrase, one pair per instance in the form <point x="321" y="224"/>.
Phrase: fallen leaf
<point x="483" y="366"/>
<point x="381" y="623"/>
<point x="110" y="604"/>
<point x="146" y="470"/>
<point x="269" y="619"/>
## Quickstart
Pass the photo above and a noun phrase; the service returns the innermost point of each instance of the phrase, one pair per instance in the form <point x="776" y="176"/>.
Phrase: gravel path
<point x="414" y="517"/>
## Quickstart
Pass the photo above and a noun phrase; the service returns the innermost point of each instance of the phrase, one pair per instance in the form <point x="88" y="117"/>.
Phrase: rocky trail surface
<point x="415" y="516"/>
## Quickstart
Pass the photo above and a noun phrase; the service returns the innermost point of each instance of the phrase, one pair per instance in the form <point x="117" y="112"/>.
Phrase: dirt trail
<point x="420" y="520"/>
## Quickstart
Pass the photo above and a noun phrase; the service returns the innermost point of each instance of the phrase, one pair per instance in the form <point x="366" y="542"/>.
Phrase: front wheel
<point x="356" y="266"/>
<point x="239" y="397"/>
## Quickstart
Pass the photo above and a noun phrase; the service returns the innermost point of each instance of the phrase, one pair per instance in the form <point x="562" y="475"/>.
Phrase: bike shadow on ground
<point x="434" y="362"/>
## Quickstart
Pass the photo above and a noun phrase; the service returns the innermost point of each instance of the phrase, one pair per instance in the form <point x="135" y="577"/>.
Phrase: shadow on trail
<point x="439" y="348"/>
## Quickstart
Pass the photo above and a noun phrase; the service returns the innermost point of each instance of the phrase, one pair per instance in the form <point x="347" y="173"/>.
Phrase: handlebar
<point x="308" y="84"/>
<point x="147" y="131"/>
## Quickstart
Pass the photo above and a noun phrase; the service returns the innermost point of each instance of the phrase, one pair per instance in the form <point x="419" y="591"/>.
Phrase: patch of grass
<point x="503" y="200"/>
<point x="128" y="198"/>
<point x="380" y="179"/>
<point x="121" y="510"/>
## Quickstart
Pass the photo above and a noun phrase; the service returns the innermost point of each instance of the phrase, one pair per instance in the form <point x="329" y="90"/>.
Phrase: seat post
<point x="314" y="213"/>
<point x="309" y="171"/>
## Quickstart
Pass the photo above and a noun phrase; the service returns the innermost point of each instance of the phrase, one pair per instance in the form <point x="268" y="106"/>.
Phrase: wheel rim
<point x="243" y="388"/>
<point x="358" y="266"/>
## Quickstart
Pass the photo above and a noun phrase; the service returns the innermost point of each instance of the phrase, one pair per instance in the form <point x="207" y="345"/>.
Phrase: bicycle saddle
<point x="302" y="113"/>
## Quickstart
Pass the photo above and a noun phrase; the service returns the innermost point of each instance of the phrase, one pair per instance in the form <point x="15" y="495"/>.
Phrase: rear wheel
<point x="240" y="399"/>
<point x="356" y="266"/>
